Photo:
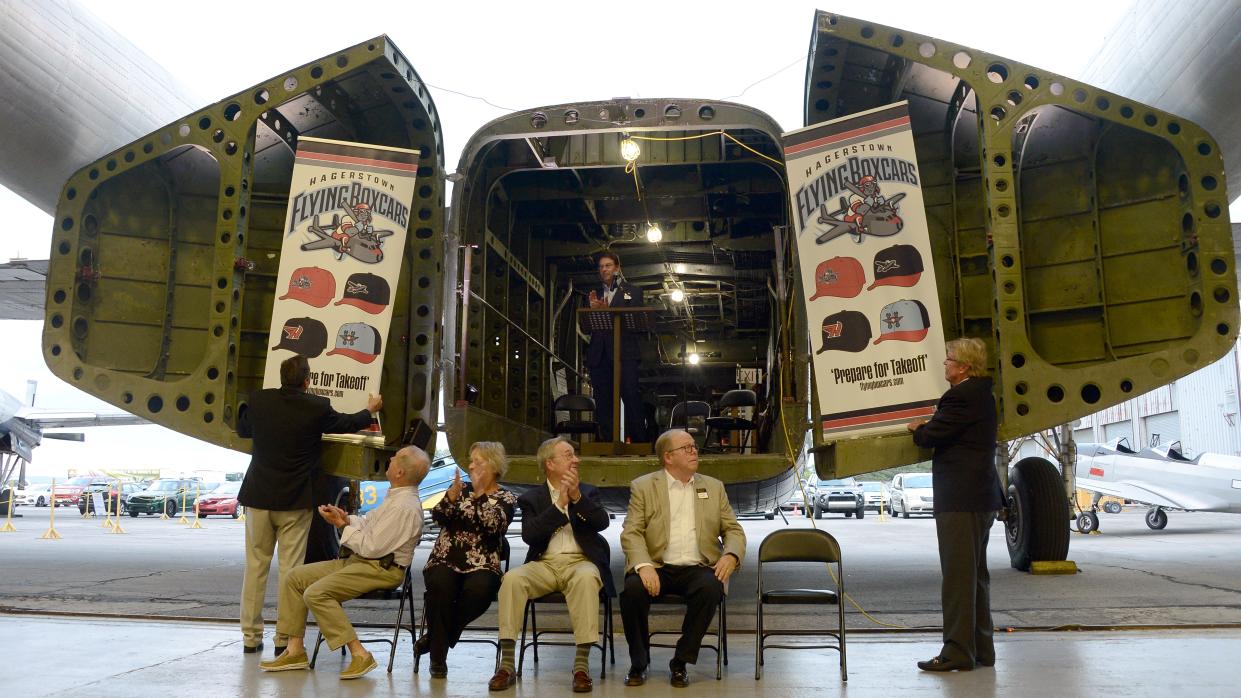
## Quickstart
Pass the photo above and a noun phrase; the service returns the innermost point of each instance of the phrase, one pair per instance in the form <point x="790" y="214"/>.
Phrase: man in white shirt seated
<point x="680" y="537"/>
<point x="375" y="551"/>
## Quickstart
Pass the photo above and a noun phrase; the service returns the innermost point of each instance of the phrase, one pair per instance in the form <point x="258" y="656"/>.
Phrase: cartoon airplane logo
<point x="865" y="213"/>
<point x="363" y="243"/>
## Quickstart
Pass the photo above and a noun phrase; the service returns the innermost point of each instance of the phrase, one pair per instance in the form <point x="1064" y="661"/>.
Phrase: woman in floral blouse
<point x="463" y="571"/>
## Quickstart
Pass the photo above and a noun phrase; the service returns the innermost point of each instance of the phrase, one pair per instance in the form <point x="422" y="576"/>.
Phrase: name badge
<point x="702" y="493"/>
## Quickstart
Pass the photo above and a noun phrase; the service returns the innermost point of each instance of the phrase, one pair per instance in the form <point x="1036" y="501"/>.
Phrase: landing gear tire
<point x="1112" y="507"/>
<point x="1038" y="514"/>
<point x="1156" y="519"/>
<point x="1088" y="522"/>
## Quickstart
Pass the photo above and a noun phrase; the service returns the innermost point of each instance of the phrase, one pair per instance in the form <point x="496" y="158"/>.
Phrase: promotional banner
<point x="865" y="265"/>
<point x="344" y="237"/>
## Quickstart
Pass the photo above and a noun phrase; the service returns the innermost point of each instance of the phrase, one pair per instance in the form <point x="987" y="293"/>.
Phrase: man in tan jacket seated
<point x="680" y="537"/>
<point x="375" y="551"/>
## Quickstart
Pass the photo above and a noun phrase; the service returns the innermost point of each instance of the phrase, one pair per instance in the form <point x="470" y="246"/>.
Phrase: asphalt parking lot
<point x="1130" y="575"/>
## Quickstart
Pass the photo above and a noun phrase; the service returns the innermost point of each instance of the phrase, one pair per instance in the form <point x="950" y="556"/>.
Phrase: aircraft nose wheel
<point x="1088" y="522"/>
<point x="1156" y="519"/>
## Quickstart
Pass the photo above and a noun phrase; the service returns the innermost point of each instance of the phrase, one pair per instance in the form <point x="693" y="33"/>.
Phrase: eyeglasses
<point x="688" y="448"/>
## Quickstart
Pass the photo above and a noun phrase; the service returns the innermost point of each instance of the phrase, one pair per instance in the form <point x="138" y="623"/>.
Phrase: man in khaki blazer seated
<point x="680" y="537"/>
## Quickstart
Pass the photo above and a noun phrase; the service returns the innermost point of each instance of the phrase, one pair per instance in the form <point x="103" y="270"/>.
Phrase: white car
<point x="35" y="495"/>
<point x="874" y="493"/>
<point x="911" y="494"/>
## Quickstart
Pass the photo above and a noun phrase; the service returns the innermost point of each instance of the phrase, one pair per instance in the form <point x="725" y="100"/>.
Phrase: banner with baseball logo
<point x="344" y="238"/>
<point x="865" y="265"/>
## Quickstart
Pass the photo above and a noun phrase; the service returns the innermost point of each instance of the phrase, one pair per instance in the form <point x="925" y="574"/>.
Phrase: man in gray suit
<point x="680" y="537"/>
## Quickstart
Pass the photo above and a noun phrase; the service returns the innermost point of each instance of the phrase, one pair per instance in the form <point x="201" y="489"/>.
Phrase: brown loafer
<point x="582" y="682"/>
<point x="503" y="680"/>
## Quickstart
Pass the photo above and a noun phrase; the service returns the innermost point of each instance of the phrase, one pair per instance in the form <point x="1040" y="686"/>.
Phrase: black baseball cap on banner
<point x="303" y="335"/>
<point x="366" y="291"/>
<point x="898" y="265"/>
<point x="847" y="330"/>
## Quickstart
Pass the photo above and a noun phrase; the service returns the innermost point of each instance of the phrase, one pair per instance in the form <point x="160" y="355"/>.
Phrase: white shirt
<point x="682" y="524"/>
<point x="562" y="541"/>
<point x="609" y="291"/>
<point x="394" y="527"/>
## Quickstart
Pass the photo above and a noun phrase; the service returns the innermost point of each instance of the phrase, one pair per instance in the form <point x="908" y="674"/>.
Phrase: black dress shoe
<point x="984" y="662"/>
<point x="439" y="670"/>
<point x="636" y="676"/>
<point x="680" y="677"/>
<point x="251" y="650"/>
<point x="944" y="664"/>
<point x="422" y="646"/>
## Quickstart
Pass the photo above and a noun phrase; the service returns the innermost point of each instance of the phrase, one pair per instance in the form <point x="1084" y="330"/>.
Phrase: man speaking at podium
<point x="615" y="293"/>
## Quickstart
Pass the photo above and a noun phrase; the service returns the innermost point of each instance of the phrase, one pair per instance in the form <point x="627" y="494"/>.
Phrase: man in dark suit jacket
<point x="560" y="521"/>
<point x="615" y="293"/>
<point x="287" y="425"/>
<point x="967" y="496"/>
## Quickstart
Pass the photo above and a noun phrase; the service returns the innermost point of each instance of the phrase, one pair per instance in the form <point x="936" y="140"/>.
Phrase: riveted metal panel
<point x="164" y="256"/>
<point x="1089" y="239"/>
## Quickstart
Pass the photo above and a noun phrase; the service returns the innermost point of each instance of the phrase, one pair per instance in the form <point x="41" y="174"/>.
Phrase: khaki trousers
<point x="265" y="530"/>
<point x="573" y="575"/>
<point x="322" y="587"/>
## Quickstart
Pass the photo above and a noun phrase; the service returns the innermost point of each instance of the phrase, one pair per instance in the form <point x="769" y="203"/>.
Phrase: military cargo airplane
<point x="1049" y="201"/>
<point x="1160" y="477"/>
<point x="347" y="238"/>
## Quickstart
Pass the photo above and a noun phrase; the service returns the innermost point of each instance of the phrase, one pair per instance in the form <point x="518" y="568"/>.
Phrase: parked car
<point x="911" y="494"/>
<point x="221" y="501"/>
<point x="35" y="495"/>
<point x="844" y="496"/>
<point x="797" y="501"/>
<point x="874" y="493"/>
<point x="128" y="489"/>
<point x="164" y="496"/>
<point x="86" y="497"/>
<point x="68" y="493"/>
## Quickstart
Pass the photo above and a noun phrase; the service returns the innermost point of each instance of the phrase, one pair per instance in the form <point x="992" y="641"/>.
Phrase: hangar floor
<point x="45" y="656"/>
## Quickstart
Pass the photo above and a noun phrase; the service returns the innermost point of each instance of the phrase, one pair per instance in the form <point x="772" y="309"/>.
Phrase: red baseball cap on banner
<point x="312" y="286"/>
<point x="841" y="277"/>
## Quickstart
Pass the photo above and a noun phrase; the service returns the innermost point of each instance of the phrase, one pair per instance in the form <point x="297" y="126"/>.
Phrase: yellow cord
<point x="708" y="135"/>
<point x="801" y="484"/>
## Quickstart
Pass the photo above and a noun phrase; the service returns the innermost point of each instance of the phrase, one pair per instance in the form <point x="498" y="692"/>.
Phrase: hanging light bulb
<point x="629" y="149"/>
<point x="654" y="234"/>
<point x="677" y="295"/>
<point x="694" y="358"/>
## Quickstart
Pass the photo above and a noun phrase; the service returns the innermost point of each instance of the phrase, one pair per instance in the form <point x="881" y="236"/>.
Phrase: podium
<point x="614" y="319"/>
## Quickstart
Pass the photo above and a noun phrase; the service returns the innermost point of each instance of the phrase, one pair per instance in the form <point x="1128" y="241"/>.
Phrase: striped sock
<point x="506" y="656"/>
<point x="581" y="660"/>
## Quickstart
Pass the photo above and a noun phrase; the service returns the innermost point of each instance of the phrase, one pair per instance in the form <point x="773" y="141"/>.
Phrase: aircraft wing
<point x="64" y="420"/>
<point x="22" y="288"/>
<point x="1146" y="493"/>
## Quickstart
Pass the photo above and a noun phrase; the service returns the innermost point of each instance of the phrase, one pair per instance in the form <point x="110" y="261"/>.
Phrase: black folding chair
<point x="505" y="551"/>
<point x="721" y="630"/>
<point x="530" y="619"/>
<point x="576" y="424"/>
<point x="733" y="400"/>
<point x="691" y="416"/>
<point x="406" y="597"/>
<point x="800" y="545"/>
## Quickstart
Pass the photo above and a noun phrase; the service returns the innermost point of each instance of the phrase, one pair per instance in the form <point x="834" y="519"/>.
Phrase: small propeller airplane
<point x="1161" y="477"/>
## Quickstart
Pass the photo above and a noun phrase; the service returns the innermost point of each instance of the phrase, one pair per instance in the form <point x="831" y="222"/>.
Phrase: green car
<point x="165" y="496"/>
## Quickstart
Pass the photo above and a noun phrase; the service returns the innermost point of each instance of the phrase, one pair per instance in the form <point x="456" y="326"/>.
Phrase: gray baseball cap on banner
<point x="357" y="340"/>
<point x="905" y="320"/>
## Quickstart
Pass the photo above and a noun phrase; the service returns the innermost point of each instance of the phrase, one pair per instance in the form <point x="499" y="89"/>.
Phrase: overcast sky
<point x="515" y="56"/>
